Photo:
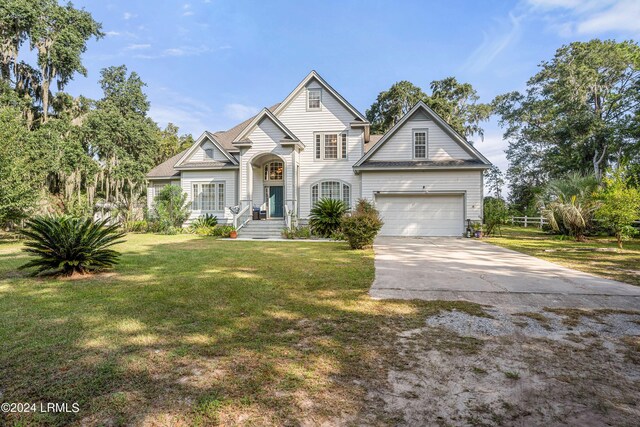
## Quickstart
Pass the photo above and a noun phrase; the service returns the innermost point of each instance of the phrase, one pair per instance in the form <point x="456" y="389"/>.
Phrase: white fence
<point x="539" y="221"/>
<point x="526" y="221"/>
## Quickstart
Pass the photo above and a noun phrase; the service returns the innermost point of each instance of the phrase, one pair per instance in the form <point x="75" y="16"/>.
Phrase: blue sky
<point x="209" y="64"/>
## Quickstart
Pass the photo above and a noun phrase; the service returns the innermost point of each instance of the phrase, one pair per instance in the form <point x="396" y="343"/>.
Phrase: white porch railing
<point x="287" y="217"/>
<point x="242" y="217"/>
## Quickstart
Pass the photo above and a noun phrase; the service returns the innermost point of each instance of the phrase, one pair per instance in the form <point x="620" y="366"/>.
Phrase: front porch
<point x="269" y="190"/>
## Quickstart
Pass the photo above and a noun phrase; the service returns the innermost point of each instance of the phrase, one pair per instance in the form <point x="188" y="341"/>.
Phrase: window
<point x="208" y="153"/>
<point x="343" y="153"/>
<point x="318" y="146"/>
<point x="331" y="190"/>
<point x="208" y="196"/>
<point x="420" y="144"/>
<point x="330" y="146"/>
<point x="313" y="99"/>
<point x="273" y="171"/>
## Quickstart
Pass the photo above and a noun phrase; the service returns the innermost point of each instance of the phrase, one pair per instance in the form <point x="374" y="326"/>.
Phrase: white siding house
<point x="423" y="176"/>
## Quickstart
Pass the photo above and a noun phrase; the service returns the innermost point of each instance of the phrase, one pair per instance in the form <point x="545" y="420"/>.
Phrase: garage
<point x="421" y="215"/>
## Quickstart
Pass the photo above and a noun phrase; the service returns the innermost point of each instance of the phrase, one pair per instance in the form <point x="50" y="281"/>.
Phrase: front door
<point x="276" y="202"/>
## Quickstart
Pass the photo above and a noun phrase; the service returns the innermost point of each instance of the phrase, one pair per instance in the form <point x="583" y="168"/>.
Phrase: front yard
<point x="191" y="330"/>
<point x="198" y="331"/>
<point x="599" y="255"/>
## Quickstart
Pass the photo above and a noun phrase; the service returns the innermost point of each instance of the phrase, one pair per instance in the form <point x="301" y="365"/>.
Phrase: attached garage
<point x="421" y="214"/>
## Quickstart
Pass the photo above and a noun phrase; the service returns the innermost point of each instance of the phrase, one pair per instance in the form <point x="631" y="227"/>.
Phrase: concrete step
<point x="262" y="230"/>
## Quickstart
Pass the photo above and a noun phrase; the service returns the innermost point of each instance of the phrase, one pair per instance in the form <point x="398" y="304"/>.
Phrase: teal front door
<point x="276" y="202"/>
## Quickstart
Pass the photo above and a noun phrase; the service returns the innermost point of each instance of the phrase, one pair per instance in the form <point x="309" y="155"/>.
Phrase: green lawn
<point x="622" y="265"/>
<point x="198" y="331"/>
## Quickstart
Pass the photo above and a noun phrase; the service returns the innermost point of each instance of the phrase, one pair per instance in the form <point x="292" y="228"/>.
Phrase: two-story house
<point x="424" y="178"/>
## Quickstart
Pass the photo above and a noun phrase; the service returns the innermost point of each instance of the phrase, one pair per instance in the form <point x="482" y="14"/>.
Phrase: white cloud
<point x="138" y="46"/>
<point x="239" y="111"/>
<point x="189" y="121"/>
<point x="127" y="15"/>
<point x="176" y="52"/>
<point x="590" y="17"/>
<point x="495" y="41"/>
<point x="190" y="114"/>
<point x="187" y="10"/>
<point x="112" y="33"/>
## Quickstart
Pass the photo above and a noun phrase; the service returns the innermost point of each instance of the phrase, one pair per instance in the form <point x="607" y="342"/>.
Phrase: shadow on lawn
<point x="204" y="329"/>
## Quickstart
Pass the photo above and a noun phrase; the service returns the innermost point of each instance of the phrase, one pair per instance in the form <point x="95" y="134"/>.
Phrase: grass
<point x="573" y="316"/>
<point x="512" y="375"/>
<point x="197" y="331"/>
<point x="622" y="265"/>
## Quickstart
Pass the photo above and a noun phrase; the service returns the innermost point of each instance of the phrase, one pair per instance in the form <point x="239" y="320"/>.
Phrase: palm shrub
<point x="170" y="209"/>
<point x="326" y="215"/>
<point x="66" y="245"/>
<point x="362" y="226"/>
<point x="569" y="204"/>
<point x="203" y="225"/>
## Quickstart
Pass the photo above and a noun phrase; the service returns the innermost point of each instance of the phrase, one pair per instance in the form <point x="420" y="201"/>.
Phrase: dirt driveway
<point x="467" y="269"/>
<point x="553" y="346"/>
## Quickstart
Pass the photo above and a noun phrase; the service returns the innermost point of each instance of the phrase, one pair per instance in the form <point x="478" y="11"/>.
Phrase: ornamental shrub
<point x="362" y="226"/>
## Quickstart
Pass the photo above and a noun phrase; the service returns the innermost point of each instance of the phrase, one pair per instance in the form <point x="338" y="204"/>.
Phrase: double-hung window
<point x="208" y="196"/>
<point x="420" y="143"/>
<point x="330" y="146"/>
<point x="314" y="99"/>
<point x="336" y="190"/>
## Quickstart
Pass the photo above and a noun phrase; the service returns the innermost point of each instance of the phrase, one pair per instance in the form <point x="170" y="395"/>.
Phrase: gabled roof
<point x="420" y="105"/>
<point x="241" y="138"/>
<point x="166" y="169"/>
<point x="313" y="75"/>
<point x="209" y="136"/>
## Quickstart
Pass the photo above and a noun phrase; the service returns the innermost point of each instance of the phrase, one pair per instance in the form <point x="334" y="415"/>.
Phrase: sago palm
<point x="568" y="204"/>
<point x="66" y="245"/>
<point x="326" y="215"/>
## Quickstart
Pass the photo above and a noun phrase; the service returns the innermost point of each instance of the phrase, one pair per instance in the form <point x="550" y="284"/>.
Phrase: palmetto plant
<point x="326" y="215"/>
<point x="568" y="204"/>
<point x="66" y="245"/>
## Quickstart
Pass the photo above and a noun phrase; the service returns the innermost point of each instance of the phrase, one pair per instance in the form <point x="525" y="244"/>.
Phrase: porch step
<point x="269" y="229"/>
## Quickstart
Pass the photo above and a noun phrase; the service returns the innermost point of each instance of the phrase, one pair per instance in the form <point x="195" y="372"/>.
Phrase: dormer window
<point x="208" y="154"/>
<point x="314" y="97"/>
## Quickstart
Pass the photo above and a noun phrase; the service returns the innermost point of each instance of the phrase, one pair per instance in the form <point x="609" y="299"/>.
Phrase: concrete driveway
<point x="468" y="269"/>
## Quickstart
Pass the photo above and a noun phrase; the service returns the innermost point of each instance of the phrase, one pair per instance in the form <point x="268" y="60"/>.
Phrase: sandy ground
<point x="517" y="369"/>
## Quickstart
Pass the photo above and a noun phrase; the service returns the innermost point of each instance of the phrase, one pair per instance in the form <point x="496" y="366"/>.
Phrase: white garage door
<point x="419" y="215"/>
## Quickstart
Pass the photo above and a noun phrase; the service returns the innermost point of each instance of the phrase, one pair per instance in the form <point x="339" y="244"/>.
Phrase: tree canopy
<point x="60" y="153"/>
<point x="455" y="102"/>
<point x="579" y="113"/>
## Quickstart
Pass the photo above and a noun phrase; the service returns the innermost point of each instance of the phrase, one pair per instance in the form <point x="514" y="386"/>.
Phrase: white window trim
<point x="314" y="89"/>
<point x="342" y="184"/>
<point x="224" y="204"/>
<point x="426" y="143"/>
<point x="338" y="148"/>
